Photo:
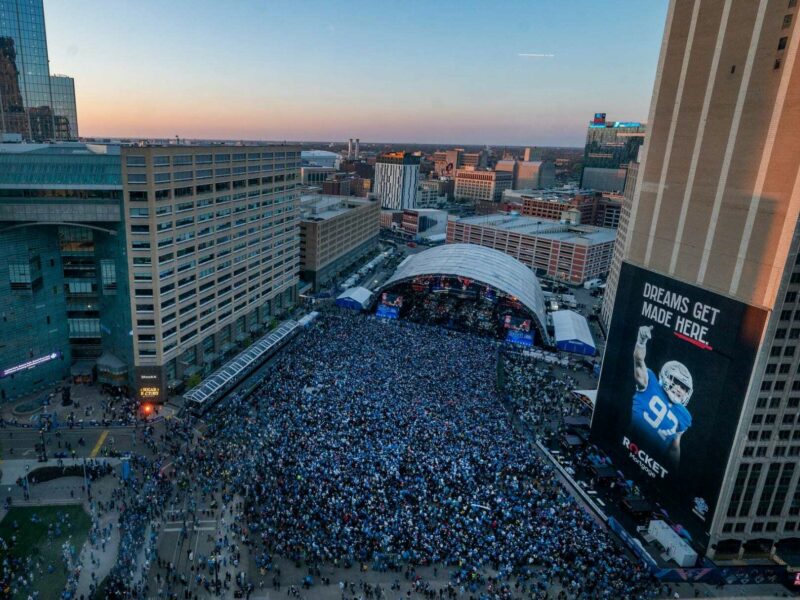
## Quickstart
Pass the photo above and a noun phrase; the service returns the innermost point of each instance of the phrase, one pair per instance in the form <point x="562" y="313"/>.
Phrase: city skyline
<point x="138" y="76"/>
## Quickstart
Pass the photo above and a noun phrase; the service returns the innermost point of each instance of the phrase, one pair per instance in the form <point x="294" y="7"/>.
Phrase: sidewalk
<point x="103" y="551"/>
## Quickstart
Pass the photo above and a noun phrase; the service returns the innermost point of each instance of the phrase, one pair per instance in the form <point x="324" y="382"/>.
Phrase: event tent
<point x="356" y="298"/>
<point x="572" y="333"/>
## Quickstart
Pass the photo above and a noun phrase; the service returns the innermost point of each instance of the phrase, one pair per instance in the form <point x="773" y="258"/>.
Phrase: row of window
<point x="168" y="177"/>
<point x="163" y="160"/>
<point x="222" y="186"/>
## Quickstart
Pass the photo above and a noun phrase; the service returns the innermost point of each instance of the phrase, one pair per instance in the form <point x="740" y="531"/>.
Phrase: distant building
<point x="314" y="175"/>
<point x="447" y="162"/>
<point x="432" y="193"/>
<point x="572" y="253"/>
<point x="532" y="154"/>
<point x="424" y="223"/>
<point x="320" y="158"/>
<point x="335" y="232"/>
<point x="535" y="175"/>
<point x="360" y="186"/>
<point x="478" y="185"/>
<point x="34" y="104"/>
<point x="391" y="219"/>
<point x="396" y="180"/>
<point x="336" y="186"/>
<point x="610" y="147"/>
<point x="528" y="175"/>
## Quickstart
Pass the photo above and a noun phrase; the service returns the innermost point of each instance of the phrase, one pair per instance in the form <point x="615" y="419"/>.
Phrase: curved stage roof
<point x="490" y="267"/>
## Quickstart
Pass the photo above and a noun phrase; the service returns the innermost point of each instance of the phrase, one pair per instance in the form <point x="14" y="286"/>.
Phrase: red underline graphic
<point x="697" y="343"/>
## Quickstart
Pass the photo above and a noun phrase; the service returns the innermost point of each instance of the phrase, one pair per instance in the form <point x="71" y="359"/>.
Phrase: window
<point x="25" y="275"/>
<point x="787" y="22"/>
<point x="137" y="196"/>
<point x="791" y="296"/>
<point x="135" y="160"/>
<point x="139" y="213"/>
<point x="137" y="178"/>
<point x="162" y="178"/>
<point x="161" y="161"/>
<point x="777" y="64"/>
<point x="782" y="46"/>
<point x="108" y="276"/>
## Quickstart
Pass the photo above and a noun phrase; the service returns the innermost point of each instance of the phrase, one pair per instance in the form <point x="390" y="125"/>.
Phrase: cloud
<point x="535" y="55"/>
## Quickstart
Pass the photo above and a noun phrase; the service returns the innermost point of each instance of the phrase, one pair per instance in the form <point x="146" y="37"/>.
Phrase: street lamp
<point x="44" y="446"/>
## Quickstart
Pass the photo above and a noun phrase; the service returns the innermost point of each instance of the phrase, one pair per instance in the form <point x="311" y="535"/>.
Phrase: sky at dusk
<point x="520" y="73"/>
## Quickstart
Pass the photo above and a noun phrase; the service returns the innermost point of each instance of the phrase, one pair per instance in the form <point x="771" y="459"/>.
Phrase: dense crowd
<point x="536" y="394"/>
<point x="384" y="444"/>
<point x="380" y="445"/>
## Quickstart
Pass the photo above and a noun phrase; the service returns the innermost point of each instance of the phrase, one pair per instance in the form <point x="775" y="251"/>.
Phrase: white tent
<point x="572" y="333"/>
<point x="356" y="298"/>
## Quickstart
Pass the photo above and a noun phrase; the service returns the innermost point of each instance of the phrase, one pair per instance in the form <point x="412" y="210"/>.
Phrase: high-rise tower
<point x="699" y="393"/>
<point x="33" y="103"/>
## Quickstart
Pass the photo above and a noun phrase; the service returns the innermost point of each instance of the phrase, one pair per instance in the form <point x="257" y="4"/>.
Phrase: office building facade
<point x="213" y="241"/>
<point x="397" y="180"/>
<point x="335" y="232"/>
<point x="447" y="162"/>
<point x="64" y="286"/>
<point x="147" y="265"/>
<point x="487" y="186"/>
<point x="33" y="104"/>
<point x="610" y="146"/>
<point x="714" y="220"/>
<point x="569" y="252"/>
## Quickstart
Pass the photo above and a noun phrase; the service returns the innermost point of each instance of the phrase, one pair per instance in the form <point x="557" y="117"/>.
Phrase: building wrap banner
<point x="674" y="378"/>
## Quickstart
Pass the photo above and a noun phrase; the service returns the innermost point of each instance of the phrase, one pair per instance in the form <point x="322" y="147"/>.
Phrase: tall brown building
<point x="705" y="294"/>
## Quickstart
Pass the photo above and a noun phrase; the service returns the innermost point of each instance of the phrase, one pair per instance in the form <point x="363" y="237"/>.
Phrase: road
<point x="16" y="443"/>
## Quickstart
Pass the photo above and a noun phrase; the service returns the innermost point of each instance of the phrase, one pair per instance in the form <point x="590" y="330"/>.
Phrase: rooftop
<point x="68" y="165"/>
<point x="318" y="207"/>
<point x="553" y="230"/>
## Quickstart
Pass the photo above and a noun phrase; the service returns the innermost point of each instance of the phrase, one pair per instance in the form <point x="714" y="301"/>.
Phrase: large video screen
<point x="675" y="373"/>
<point x="388" y="312"/>
<point x="391" y="299"/>
<point x="516" y="323"/>
<point x="523" y="338"/>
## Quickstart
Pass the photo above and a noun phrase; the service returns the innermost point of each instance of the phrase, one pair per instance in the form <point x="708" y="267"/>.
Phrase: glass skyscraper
<point x="32" y="103"/>
<point x="610" y="147"/>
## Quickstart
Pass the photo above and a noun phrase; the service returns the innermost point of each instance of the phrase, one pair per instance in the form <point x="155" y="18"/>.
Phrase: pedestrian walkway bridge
<point x="224" y="379"/>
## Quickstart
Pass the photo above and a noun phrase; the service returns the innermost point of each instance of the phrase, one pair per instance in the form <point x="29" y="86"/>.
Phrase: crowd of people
<point x="536" y="394"/>
<point x="384" y="444"/>
<point x="379" y="445"/>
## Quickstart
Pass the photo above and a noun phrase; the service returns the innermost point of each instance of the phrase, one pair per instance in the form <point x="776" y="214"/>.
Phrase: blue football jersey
<point x="655" y="417"/>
